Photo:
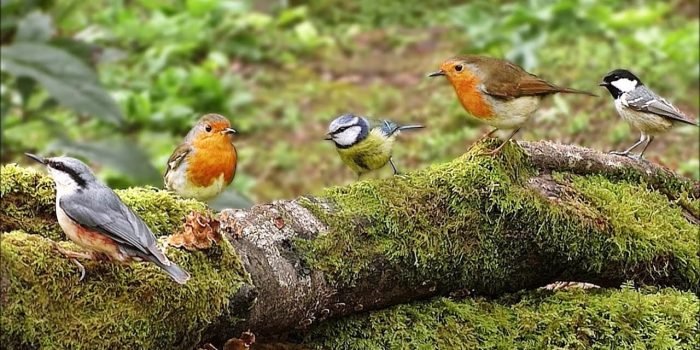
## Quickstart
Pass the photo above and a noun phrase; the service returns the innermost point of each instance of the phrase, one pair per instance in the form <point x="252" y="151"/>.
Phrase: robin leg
<point x="627" y="151"/>
<point x="391" y="162"/>
<point x="650" y="138"/>
<point x="485" y="136"/>
<point x="499" y="148"/>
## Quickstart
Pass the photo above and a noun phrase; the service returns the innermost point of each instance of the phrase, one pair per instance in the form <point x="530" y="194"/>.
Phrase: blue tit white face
<point x="348" y="130"/>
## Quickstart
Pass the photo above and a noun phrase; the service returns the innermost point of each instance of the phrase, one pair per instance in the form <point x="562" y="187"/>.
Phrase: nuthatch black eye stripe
<point x="68" y="170"/>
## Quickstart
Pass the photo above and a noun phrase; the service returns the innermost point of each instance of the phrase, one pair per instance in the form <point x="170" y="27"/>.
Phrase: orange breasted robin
<point x="94" y="217"/>
<point x="205" y="163"/>
<point x="498" y="92"/>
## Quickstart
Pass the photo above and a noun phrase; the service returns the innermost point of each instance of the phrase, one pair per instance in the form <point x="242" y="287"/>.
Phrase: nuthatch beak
<point x="228" y="131"/>
<point x="436" y="74"/>
<point x="39" y="159"/>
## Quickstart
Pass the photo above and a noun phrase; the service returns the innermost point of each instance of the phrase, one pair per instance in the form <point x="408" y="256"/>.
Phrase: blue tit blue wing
<point x="104" y="212"/>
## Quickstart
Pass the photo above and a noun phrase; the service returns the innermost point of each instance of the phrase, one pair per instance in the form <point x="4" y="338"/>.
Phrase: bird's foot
<point x="492" y="152"/>
<point x="618" y="153"/>
<point x="637" y="157"/>
<point x="74" y="256"/>
<point x="81" y="268"/>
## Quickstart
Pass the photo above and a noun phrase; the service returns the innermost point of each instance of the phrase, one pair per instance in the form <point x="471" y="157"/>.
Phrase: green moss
<point x="133" y="306"/>
<point x="477" y="223"/>
<point x="28" y="204"/>
<point x="645" y="227"/>
<point x="607" y="319"/>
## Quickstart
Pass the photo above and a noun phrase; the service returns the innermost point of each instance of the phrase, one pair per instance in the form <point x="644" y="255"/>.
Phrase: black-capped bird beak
<point x="39" y="159"/>
<point x="437" y="74"/>
<point x="603" y="84"/>
<point x="328" y="137"/>
<point x="229" y="131"/>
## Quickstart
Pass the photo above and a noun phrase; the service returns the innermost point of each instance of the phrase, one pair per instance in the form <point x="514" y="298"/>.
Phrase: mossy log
<point x="537" y="213"/>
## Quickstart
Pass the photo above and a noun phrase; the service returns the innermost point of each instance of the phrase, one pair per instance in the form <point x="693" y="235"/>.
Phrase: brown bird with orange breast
<point x="205" y="163"/>
<point x="498" y="92"/>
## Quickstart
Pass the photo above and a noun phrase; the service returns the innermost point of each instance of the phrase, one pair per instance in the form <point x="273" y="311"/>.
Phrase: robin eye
<point x="458" y="67"/>
<point x="207" y="128"/>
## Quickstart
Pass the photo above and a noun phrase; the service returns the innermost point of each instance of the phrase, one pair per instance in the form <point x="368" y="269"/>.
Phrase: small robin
<point x="498" y="92"/>
<point x="94" y="217"/>
<point x="205" y="163"/>
<point x="363" y="144"/>
<point x="642" y="108"/>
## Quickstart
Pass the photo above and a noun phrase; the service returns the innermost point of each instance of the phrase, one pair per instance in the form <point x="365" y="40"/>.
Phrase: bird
<point x="497" y="92"/>
<point x="364" y="144"/>
<point x="204" y="164"/>
<point x="93" y="217"/>
<point x="642" y="108"/>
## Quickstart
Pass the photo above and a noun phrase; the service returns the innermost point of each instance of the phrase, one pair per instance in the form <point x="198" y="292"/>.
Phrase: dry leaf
<point x="199" y="232"/>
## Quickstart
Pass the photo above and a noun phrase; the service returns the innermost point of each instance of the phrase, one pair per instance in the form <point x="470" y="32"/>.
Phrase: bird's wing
<point x="177" y="157"/>
<point x="508" y="81"/>
<point x="387" y="127"/>
<point x="644" y="100"/>
<point x="104" y="212"/>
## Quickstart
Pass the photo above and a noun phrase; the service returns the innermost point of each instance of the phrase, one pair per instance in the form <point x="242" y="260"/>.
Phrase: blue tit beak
<point x="39" y="159"/>
<point x="229" y="131"/>
<point x="439" y="73"/>
<point x="328" y="137"/>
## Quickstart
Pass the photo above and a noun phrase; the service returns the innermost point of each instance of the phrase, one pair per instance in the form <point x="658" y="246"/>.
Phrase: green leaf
<point x="66" y="77"/>
<point x="121" y="155"/>
<point x="36" y="27"/>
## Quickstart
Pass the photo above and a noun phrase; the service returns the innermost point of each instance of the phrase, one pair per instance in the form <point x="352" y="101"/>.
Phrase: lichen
<point x="607" y="319"/>
<point x="28" y="204"/>
<point x="475" y="223"/>
<point x="133" y="306"/>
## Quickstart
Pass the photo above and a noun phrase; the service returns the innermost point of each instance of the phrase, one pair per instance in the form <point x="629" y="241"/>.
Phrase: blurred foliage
<point x="282" y="70"/>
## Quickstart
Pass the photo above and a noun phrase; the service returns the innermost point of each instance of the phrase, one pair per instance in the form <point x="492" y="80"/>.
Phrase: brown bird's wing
<point x="508" y="81"/>
<point x="176" y="158"/>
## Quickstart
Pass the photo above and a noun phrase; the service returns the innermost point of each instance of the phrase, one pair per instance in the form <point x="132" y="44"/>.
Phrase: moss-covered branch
<point x="487" y="225"/>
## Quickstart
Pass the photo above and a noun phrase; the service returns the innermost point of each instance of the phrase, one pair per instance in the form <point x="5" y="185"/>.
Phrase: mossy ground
<point x="606" y="319"/>
<point x="136" y="306"/>
<point x="474" y="221"/>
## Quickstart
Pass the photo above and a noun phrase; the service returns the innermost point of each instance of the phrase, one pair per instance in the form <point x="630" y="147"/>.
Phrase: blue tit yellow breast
<point x="369" y="154"/>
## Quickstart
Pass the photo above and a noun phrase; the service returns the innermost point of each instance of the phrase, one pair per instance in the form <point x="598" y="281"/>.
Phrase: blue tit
<point x="363" y="144"/>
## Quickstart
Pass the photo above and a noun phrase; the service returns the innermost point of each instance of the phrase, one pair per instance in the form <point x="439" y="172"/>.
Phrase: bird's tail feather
<point x="410" y="127"/>
<point x="175" y="272"/>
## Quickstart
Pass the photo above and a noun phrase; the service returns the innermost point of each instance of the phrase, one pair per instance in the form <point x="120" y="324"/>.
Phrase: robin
<point x="498" y="92"/>
<point x="363" y="144"/>
<point x="94" y="217"/>
<point x="205" y="163"/>
<point x="641" y="107"/>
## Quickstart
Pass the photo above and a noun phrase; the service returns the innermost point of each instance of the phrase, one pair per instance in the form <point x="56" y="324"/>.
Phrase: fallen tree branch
<point x="483" y="225"/>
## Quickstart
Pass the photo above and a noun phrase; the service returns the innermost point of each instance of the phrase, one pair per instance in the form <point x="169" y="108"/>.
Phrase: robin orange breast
<point x="498" y="92"/>
<point x="205" y="163"/>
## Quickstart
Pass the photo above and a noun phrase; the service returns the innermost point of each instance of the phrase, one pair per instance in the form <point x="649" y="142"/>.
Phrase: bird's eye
<point x="458" y="68"/>
<point x="207" y="128"/>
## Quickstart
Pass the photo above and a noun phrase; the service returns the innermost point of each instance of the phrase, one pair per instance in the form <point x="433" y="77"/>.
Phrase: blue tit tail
<point x="175" y="272"/>
<point x="410" y="127"/>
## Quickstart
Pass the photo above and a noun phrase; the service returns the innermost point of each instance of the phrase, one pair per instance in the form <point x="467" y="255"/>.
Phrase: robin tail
<point x="175" y="272"/>
<point x="574" y="91"/>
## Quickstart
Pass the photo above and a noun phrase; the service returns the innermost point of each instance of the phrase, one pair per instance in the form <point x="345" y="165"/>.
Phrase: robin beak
<point x="328" y="137"/>
<point x="39" y="159"/>
<point x="228" y="131"/>
<point x="436" y="74"/>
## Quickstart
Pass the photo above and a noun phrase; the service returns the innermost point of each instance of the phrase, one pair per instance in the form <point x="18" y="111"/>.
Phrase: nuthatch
<point x="641" y="107"/>
<point x="94" y="217"/>
<point x="363" y="144"/>
<point x="205" y="163"/>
